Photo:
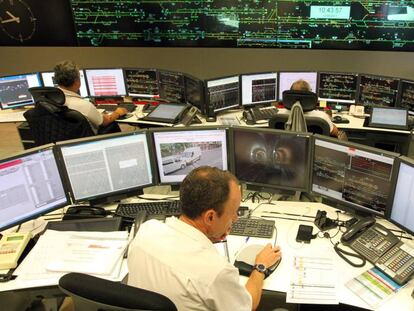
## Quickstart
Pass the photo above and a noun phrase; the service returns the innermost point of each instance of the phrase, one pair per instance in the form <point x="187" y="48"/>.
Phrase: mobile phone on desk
<point x="304" y="234"/>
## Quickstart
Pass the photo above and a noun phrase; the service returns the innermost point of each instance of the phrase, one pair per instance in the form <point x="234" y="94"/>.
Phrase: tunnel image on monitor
<point x="272" y="159"/>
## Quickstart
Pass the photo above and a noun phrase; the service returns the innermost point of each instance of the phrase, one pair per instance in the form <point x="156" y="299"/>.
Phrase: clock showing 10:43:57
<point x="17" y="20"/>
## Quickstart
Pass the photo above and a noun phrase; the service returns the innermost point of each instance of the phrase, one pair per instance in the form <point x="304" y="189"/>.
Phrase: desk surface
<point x="12" y="115"/>
<point x="286" y="233"/>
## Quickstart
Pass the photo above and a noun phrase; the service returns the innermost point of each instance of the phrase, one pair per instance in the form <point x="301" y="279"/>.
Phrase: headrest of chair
<point x="308" y="100"/>
<point x="49" y="94"/>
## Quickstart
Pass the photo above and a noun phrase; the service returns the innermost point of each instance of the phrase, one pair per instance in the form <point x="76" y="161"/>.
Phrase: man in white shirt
<point x="178" y="258"/>
<point x="68" y="79"/>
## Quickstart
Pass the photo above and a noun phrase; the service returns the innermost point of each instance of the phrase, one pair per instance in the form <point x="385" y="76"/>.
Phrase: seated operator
<point x="302" y="85"/>
<point x="178" y="258"/>
<point x="68" y="79"/>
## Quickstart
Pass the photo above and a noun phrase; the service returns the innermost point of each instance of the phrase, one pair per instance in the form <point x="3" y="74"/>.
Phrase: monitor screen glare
<point x="105" y="82"/>
<point x="30" y="186"/>
<point x="100" y="167"/>
<point x="179" y="152"/>
<point x="357" y="178"/>
<point x="272" y="159"/>
<point x="48" y="80"/>
<point x="286" y="80"/>
<point x="14" y="90"/>
<point x="259" y="88"/>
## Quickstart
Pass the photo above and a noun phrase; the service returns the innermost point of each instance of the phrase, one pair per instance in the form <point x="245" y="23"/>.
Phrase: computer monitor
<point x="194" y="92"/>
<point x="171" y="86"/>
<point x="406" y="95"/>
<point x="142" y="83"/>
<point x="377" y="90"/>
<point x="354" y="177"/>
<point x="389" y="117"/>
<point x="286" y="80"/>
<point x="30" y="186"/>
<point x="258" y="88"/>
<point x="401" y="211"/>
<point x="222" y="93"/>
<point x="106" y="168"/>
<point x="14" y="90"/>
<point x="107" y="82"/>
<point x="179" y="151"/>
<point x="48" y="78"/>
<point x="270" y="160"/>
<point x="337" y="87"/>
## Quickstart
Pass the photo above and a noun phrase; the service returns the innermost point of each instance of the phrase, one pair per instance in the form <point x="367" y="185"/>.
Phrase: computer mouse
<point x="274" y="266"/>
<point x="126" y="116"/>
<point x="337" y="119"/>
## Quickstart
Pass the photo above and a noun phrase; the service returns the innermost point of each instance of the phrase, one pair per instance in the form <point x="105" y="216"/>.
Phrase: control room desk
<point x="287" y="226"/>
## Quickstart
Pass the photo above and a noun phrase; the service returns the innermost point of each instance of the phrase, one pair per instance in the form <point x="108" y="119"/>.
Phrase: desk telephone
<point x="84" y="211"/>
<point x="189" y="116"/>
<point x="382" y="248"/>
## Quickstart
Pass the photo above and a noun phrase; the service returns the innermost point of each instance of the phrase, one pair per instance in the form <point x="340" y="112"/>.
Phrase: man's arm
<point x="109" y="118"/>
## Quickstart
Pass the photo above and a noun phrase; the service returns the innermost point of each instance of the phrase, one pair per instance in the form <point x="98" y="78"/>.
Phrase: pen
<point x="247" y="239"/>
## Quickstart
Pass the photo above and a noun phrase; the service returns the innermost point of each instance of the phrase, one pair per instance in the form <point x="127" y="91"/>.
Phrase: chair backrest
<point x="314" y="124"/>
<point x="308" y="100"/>
<point x="50" y="121"/>
<point x="93" y="294"/>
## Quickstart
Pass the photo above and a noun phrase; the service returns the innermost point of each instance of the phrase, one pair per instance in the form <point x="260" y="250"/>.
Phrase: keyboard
<point x="253" y="227"/>
<point x="264" y="113"/>
<point x="154" y="209"/>
<point x="383" y="249"/>
<point x="112" y="107"/>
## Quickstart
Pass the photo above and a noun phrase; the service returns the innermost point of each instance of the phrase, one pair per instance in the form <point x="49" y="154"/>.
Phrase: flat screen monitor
<point x="389" y="117"/>
<point x="337" y="87"/>
<point x="401" y="212"/>
<point x="406" y="95"/>
<point x="194" y="92"/>
<point x="107" y="167"/>
<point x="179" y="151"/>
<point x="258" y="88"/>
<point x="14" y="90"/>
<point x="286" y="80"/>
<point x="48" y="78"/>
<point x="30" y="186"/>
<point x="271" y="159"/>
<point x="377" y="91"/>
<point x="105" y="82"/>
<point x="222" y="93"/>
<point x="142" y="83"/>
<point x="171" y="86"/>
<point x="356" y="177"/>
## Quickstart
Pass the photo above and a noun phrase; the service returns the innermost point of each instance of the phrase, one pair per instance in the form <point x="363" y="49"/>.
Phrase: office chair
<point x="92" y="293"/>
<point x="307" y="100"/>
<point x="51" y="121"/>
<point x="314" y="124"/>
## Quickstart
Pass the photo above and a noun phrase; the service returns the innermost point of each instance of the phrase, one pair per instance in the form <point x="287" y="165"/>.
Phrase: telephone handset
<point x="189" y="115"/>
<point x="249" y="117"/>
<point x="357" y="229"/>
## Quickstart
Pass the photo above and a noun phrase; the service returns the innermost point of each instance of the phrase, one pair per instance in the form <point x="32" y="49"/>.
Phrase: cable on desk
<point x="341" y="253"/>
<point x="257" y="195"/>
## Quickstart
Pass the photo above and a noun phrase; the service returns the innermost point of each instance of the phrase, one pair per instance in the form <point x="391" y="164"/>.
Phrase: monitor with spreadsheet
<point x="194" y="92"/>
<point x="222" y="93"/>
<point x="105" y="168"/>
<point x="286" y="80"/>
<point x="353" y="176"/>
<point x="142" y="82"/>
<point x="401" y="212"/>
<point x="377" y="90"/>
<point x="48" y="80"/>
<point x="180" y="150"/>
<point x="337" y="87"/>
<point x="258" y="88"/>
<point x="406" y="95"/>
<point x="270" y="159"/>
<point x="108" y="82"/>
<point x="14" y="90"/>
<point x="30" y="186"/>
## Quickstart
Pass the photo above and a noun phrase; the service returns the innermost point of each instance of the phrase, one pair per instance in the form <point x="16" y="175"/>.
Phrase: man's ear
<point x="209" y="216"/>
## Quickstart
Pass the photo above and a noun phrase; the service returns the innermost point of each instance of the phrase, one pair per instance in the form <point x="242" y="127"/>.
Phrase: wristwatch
<point x="261" y="268"/>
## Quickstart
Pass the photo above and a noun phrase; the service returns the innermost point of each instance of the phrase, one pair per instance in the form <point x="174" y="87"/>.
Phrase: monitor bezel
<point x="262" y="103"/>
<point x="361" y="75"/>
<point x="183" y="129"/>
<point x="342" y="204"/>
<point x="29" y="102"/>
<point x="339" y="101"/>
<point x="400" y="93"/>
<point x="142" y="96"/>
<point x="280" y="94"/>
<point x="114" y="195"/>
<point x="388" y="126"/>
<point x="29" y="152"/>
<point x="268" y="187"/>
<point x="207" y="97"/>
<point x="105" y="96"/>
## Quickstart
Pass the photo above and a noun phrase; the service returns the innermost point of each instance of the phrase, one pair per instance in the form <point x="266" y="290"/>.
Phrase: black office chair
<point x="307" y="100"/>
<point x="51" y="121"/>
<point x="313" y="124"/>
<point x="93" y="294"/>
